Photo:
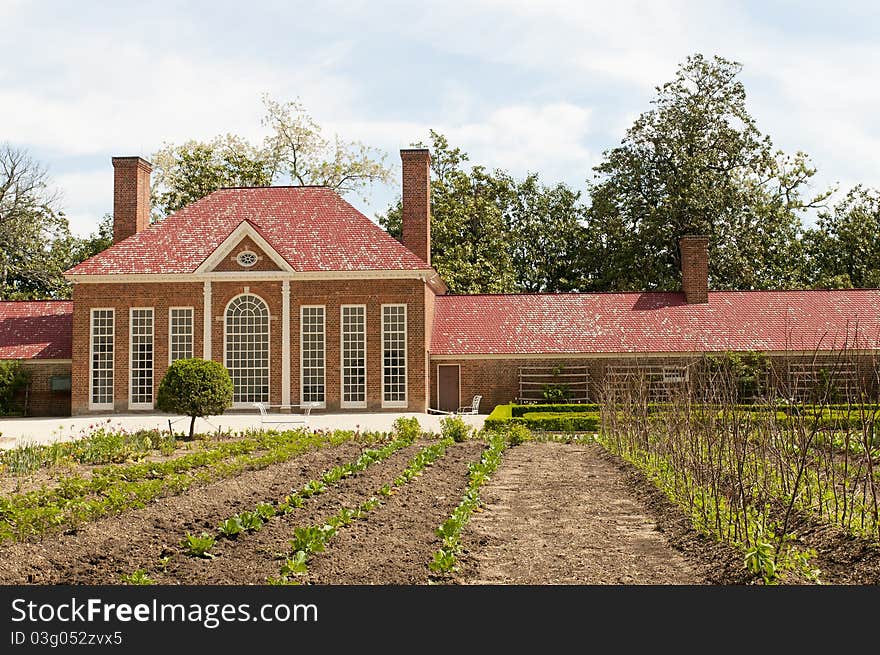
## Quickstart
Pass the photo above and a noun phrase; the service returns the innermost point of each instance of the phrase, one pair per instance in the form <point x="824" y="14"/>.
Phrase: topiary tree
<point x="195" y="387"/>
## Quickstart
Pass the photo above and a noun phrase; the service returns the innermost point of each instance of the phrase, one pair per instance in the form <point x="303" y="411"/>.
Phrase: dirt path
<point x="563" y="514"/>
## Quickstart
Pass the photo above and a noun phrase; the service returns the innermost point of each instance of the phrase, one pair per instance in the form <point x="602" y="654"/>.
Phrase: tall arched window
<point x="247" y="348"/>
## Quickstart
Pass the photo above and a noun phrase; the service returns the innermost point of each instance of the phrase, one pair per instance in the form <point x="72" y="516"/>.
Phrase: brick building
<point x="305" y="300"/>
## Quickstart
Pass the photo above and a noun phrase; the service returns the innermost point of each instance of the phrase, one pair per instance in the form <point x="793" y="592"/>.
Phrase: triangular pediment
<point x="244" y="239"/>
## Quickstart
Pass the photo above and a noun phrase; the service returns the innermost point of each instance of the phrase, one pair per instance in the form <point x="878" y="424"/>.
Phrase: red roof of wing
<point x="655" y="322"/>
<point x="313" y="228"/>
<point x="39" y="329"/>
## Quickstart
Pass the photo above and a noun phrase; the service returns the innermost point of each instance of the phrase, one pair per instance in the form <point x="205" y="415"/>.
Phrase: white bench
<point x="268" y="417"/>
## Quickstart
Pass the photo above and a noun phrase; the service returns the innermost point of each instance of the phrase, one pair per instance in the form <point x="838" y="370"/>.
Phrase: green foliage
<point x="198" y="546"/>
<point x="556" y="393"/>
<point x="444" y="560"/>
<point x="469" y="240"/>
<point x="696" y="163"/>
<point x="12" y="378"/>
<point x="522" y="410"/>
<point x="192" y="170"/>
<point x="407" y="428"/>
<point x="250" y="521"/>
<point x="295" y="152"/>
<point x="230" y="528"/>
<point x="112" y="489"/>
<point x="455" y="428"/>
<point x="550" y="418"/>
<point x="744" y="373"/>
<point x="517" y="434"/>
<point x="843" y="248"/>
<point x="138" y="577"/>
<point x="313" y="538"/>
<point x="296" y="565"/>
<point x="195" y="387"/>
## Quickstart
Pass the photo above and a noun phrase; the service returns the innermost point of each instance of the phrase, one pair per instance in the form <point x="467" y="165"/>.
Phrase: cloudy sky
<point x="540" y="86"/>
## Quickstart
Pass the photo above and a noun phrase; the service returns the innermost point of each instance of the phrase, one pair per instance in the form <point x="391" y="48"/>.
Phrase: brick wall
<point x="331" y="294"/>
<point x="497" y="380"/>
<point x="121" y="297"/>
<point x="38" y="397"/>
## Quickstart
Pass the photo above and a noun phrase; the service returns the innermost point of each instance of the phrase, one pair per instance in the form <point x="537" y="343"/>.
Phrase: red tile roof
<point x="654" y="322"/>
<point x="311" y="227"/>
<point x="39" y="329"/>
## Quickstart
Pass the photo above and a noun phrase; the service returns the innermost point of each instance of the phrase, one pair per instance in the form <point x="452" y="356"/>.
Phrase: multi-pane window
<point x="102" y="358"/>
<point x="354" y="355"/>
<point x="312" y="354"/>
<point x="394" y="355"/>
<point x="180" y="333"/>
<point x="141" y="352"/>
<point x="247" y="348"/>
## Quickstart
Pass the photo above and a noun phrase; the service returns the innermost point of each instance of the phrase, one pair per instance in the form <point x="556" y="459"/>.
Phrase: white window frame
<point x="359" y="404"/>
<point x="131" y="403"/>
<point x="302" y="386"/>
<point x="249" y="404"/>
<point x="396" y="404"/>
<point x="93" y="405"/>
<point x="192" y="334"/>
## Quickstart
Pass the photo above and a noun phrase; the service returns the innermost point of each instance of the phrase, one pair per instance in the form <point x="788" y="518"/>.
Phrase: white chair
<point x="269" y="418"/>
<point x="473" y="408"/>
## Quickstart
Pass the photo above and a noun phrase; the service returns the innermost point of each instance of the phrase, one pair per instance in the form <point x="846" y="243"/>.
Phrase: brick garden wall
<point x="497" y="380"/>
<point x="38" y="398"/>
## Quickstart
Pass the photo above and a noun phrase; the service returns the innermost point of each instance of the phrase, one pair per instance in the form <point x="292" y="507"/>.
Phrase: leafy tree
<point x="844" y="248"/>
<point x="546" y="236"/>
<point x="30" y="223"/>
<point x="469" y="236"/>
<point x="295" y="152"/>
<point x="195" y="387"/>
<point x="188" y="172"/>
<point x="696" y="163"/>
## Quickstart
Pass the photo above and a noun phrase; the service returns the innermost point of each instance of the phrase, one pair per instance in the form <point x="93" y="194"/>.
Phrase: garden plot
<point x="560" y="514"/>
<point x="101" y="551"/>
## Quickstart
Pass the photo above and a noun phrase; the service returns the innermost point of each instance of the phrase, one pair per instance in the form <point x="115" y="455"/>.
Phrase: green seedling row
<point x="446" y="557"/>
<point x="119" y="488"/>
<point x="314" y="538"/>
<point x="253" y="520"/>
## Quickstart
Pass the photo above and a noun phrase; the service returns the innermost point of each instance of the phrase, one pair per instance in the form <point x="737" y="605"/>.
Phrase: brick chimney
<point x="131" y="196"/>
<point x="417" y="202"/>
<point x="695" y="268"/>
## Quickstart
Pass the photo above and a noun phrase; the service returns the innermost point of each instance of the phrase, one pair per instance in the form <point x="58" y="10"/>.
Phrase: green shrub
<point x="454" y="427"/>
<point x="517" y="434"/>
<point x="407" y="428"/>
<point x="556" y="393"/>
<point x="520" y="410"/>
<point x="545" y="418"/>
<point x="195" y="387"/>
<point x="12" y="378"/>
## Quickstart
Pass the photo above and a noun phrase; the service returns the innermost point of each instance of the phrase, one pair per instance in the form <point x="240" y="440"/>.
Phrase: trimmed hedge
<point x="522" y="410"/>
<point x="546" y="420"/>
<point x="586" y="418"/>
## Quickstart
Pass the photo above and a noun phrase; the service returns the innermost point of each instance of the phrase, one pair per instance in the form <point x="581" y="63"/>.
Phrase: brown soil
<point x="395" y="544"/>
<point x="554" y="514"/>
<point x="103" y="550"/>
<point x="564" y="514"/>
